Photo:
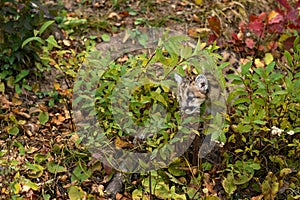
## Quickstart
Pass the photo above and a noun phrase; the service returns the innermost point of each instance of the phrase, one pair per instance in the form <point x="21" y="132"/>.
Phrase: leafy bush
<point x="264" y="126"/>
<point x="19" y="20"/>
<point x="18" y="56"/>
<point x="265" y="32"/>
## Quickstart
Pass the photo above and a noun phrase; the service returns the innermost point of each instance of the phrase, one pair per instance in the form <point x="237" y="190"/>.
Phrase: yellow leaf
<point x="272" y="14"/>
<point x="121" y="143"/>
<point x="198" y="2"/>
<point x="2" y="88"/>
<point x="268" y="58"/>
<point x="258" y="63"/>
<point x="56" y="86"/>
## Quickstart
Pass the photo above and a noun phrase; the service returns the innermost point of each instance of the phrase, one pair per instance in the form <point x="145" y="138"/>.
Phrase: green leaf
<point x="186" y="52"/>
<point x="243" y="178"/>
<point x="137" y="194"/>
<point x="38" y="39"/>
<point x="160" y="98"/>
<point x="238" y="150"/>
<point x="80" y="173"/>
<point x="143" y="39"/>
<point x="281" y="92"/>
<point x="51" y="40"/>
<point x="175" y="170"/>
<point x="39" y="158"/>
<point x="228" y="184"/>
<point x="270" y="67"/>
<point x="259" y="71"/>
<point x="46" y="196"/>
<point x="244" y="128"/>
<point x="76" y="193"/>
<point x="35" y="170"/>
<point x="20" y="147"/>
<point x="21" y="75"/>
<point x="14" y="130"/>
<point x="260" y="122"/>
<point x="234" y="77"/>
<point x="246" y="67"/>
<point x="43" y="117"/>
<point x="207" y="166"/>
<point x="259" y="101"/>
<point x="241" y="100"/>
<point x="55" y="168"/>
<point x="30" y="184"/>
<point x="289" y="58"/>
<point x="285" y="171"/>
<point x="173" y="179"/>
<point x="45" y="26"/>
<point x="270" y="186"/>
<point x="105" y="37"/>
<point x="16" y="187"/>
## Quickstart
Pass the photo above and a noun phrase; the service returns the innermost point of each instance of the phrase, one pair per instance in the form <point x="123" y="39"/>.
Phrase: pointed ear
<point x="178" y="78"/>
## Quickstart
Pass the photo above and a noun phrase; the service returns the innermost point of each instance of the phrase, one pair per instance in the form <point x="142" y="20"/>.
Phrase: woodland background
<point x="43" y="45"/>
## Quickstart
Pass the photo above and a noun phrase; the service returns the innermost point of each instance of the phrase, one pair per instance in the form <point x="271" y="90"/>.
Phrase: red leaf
<point x="262" y="16"/>
<point x="215" y="24"/>
<point x="276" y="28"/>
<point x="124" y="14"/>
<point x="292" y="15"/>
<point x="261" y="47"/>
<point x="253" y="18"/>
<point x="285" y="4"/>
<point x="250" y="43"/>
<point x="289" y="43"/>
<point x="257" y="27"/>
<point x="242" y="26"/>
<point x="294" y="27"/>
<point x="212" y="37"/>
<point x="234" y="36"/>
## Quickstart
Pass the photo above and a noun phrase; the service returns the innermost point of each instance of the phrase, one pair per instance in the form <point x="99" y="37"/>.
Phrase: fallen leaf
<point x="250" y="43"/>
<point x="114" y="14"/>
<point x="268" y="58"/>
<point x="196" y="18"/>
<point x="209" y="184"/>
<point x="258" y="63"/>
<point x="67" y="42"/>
<point x="259" y="197"/>
<point x="17" y="101"/>
<point x="215" y="24"/>
<point x="274" y="17"/>
<point x="198" y="2"/>
<point x="121" y="143"/>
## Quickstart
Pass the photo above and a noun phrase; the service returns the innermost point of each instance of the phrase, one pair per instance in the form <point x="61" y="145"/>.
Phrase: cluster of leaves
<point x="136" y="100"/>
<point x="262" y="144"/>
<point x="264" y="32"/>
<point x="19" y="20"/>
<point x="148" y="96"/>
<point x="27" y="45"/>
<point x="265" y="121"/>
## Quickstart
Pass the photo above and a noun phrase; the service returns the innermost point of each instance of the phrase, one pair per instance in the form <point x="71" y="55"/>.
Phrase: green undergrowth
<point x="260" y="143"/>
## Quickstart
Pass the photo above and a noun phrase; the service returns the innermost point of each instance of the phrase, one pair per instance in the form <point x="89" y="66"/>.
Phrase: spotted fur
<point x="193" y="90"/>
